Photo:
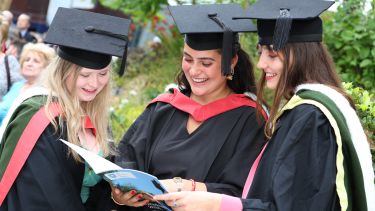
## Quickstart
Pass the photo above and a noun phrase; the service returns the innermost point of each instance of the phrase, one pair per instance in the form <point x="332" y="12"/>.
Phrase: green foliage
<point x="365" y="106"/>
<point x="122" y="117"/>
<point x="169" y="35"/>
<point x="349" y="35"/>
<point x="140" y="10"/>
<point x="146" y="76"/>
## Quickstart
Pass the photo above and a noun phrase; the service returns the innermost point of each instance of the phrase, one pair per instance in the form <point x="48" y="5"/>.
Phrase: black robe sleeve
<point x="235" y="137"/>
<point x="298" y="168"/>
<point x="49" y="180"/>
<point x="128" y="157"/>
<point x="247" y="139"/>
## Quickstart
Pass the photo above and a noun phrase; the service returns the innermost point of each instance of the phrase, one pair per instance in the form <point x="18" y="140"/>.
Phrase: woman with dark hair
<point x="317" y="156"/>
<point x="241" y="82"/>
<point x="205" y="135"/>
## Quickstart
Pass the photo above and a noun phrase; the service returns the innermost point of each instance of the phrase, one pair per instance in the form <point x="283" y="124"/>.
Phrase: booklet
<point x="124" y="179"/>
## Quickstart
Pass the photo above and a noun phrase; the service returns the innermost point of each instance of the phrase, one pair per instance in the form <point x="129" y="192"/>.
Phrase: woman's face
<point x="89" y="83"/>
<point x="203" y="72"/>
<point x="272" y="65"/>
<point x="32" y="66"/>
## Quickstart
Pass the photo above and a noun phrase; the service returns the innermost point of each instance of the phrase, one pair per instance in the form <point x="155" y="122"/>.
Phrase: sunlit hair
<point x="307" y="62"/>
<point x="243" y="78"/>
<point x="44" y="51"/>
<point x="72" y="110"/>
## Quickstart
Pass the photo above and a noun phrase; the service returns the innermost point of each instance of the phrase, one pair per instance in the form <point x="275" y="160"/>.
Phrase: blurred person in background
<point x="9" y="66"/>
<point x="8" y="15"/>
<point x="23" y="25"/>
<point x="21" y="35"/>
<point x="34" y="58"/>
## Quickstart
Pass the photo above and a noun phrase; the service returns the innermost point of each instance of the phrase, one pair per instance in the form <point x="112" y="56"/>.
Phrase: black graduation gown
<point x="298" y="168"/>
<point x="50" y="180"/>
<point x="218" y="153"/>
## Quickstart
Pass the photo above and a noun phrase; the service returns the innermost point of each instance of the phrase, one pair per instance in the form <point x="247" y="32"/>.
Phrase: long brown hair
<point x="306" y="62"/>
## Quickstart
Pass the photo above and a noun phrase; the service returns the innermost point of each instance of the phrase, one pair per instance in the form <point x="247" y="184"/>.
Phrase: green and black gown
<point x="218" y="153"/>
<point x="50" y="180"/>
<point x="298" y="168"/>
<point x="317" y="159"/>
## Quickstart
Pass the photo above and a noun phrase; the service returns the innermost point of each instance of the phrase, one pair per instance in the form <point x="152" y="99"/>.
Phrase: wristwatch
<point x="178" y="182"/>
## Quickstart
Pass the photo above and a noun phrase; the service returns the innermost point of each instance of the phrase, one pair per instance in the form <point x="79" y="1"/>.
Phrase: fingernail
<point x="133" y="192"/>
<point x="139" y="197"/>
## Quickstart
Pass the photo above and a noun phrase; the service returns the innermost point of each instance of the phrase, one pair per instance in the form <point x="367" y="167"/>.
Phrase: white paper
<point x="97" y="163"/>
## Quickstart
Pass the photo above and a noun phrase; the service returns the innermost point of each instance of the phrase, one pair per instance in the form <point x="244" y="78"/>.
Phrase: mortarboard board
<point x="89" y="39"/>
<point x="283" y="21"/>
<point x="211" y="26"/>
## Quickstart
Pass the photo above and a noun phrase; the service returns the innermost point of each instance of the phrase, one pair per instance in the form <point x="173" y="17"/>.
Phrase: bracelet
<point x="115" y="200"/>
<point x="193" y="185"/>
<point x="178" y="182"/>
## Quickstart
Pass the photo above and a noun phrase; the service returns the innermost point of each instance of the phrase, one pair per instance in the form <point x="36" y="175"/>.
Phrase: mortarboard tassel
<point x="226" y="54"/>
<point x="121" y="71"/>
<point x="91" y="29"/>
<point x="282" y="29"/>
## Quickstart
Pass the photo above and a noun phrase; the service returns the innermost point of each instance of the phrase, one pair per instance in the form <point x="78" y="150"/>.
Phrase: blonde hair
<point x="4" y="29"/>
<point x="72" y="109"/>
<point x="47" y="53"/>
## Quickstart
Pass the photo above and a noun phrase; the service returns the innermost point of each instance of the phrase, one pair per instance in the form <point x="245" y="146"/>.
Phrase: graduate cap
<point x="89" y="39"/>
<point x="283" y="21"/>
<point x="211" y="26"/>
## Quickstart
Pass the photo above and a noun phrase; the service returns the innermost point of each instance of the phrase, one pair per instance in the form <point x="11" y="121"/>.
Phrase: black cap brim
<point x="88" y="39"/>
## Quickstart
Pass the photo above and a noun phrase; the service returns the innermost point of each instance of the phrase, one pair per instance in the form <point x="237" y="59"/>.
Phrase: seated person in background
<point x="206" y="134"/>
<point x="33" y="60"/>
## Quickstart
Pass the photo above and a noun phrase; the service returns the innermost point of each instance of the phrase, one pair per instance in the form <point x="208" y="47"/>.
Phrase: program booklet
<point x="124" y="179"/>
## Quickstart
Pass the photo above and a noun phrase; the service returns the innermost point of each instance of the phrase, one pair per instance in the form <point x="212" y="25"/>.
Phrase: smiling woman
<point x="88" y="83"/>
<point x="203" y="136"/>
<point x="202" y="71"/>
<point x="272" y="65"/>
<point x="73" y="103"/>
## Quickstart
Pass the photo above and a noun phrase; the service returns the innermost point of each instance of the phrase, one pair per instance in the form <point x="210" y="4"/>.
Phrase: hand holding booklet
<point x="123" y="179"/>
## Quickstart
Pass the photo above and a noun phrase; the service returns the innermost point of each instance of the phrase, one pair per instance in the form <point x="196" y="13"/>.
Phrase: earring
<point x="230" y="76"/>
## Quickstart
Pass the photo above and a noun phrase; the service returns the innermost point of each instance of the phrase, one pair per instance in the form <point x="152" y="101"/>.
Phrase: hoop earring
<point x="230" y="76"/>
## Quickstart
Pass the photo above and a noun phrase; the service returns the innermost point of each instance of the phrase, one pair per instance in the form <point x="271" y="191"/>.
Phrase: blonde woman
<point x="34" y="58"/>
<point x="73" y="105"/>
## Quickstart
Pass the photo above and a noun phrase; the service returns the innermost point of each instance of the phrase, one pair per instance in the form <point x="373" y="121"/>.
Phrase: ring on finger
<point x="175" y="203"/>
